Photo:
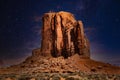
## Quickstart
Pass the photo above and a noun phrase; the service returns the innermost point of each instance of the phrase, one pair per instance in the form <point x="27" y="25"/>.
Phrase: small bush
<point x="42" y="78"/>
<point x="24" y="77"/>
<point x="70" y="78"/>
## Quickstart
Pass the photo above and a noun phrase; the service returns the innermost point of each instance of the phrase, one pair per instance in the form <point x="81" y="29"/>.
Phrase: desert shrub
<point x="70" y="78"/>
<point x="10" y="76"/>
<point x="55" y="77"/>
<point x="72" y="74"/>
<point x="24" y="77"/>
<point x="42" y="78"/>
<point x="86" y="78"/>
<point x="81" y="74"/>
<point x="117" y="78"/>
<point x="64" y="75"/>
<point x="1" y="78"/>
<point x="96" y="77"/>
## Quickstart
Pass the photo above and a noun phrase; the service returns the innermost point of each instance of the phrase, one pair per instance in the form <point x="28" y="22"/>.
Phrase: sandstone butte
<point x="64" y="48"/>
<point x="63" y="36"/>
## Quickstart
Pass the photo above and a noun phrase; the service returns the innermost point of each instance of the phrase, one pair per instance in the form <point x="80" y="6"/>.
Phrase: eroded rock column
<point x="58" y="35"/>
<point x="62" y="35"/>
<point x="47" y="36"/>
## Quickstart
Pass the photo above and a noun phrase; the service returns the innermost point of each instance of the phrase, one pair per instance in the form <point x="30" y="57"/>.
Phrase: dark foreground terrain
<point x="60" y="76"/>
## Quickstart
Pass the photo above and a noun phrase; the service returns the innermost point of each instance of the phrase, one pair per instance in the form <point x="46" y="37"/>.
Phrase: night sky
<point x="20" y="25"/>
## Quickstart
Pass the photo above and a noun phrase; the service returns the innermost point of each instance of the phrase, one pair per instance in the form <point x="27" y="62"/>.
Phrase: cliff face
<point x="62" y="35"/>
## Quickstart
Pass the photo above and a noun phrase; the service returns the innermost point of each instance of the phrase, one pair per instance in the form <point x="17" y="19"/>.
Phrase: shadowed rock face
<point x="62" y="35"/>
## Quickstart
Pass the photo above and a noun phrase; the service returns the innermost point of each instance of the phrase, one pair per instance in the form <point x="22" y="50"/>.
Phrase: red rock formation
<point x="62" y="35"/>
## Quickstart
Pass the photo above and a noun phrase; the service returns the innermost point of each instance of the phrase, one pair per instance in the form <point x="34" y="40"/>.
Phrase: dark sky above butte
<point x="20" y="23"/>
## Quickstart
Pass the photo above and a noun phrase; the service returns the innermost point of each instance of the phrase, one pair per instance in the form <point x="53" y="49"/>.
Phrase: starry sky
<point x="20" y="26"/>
